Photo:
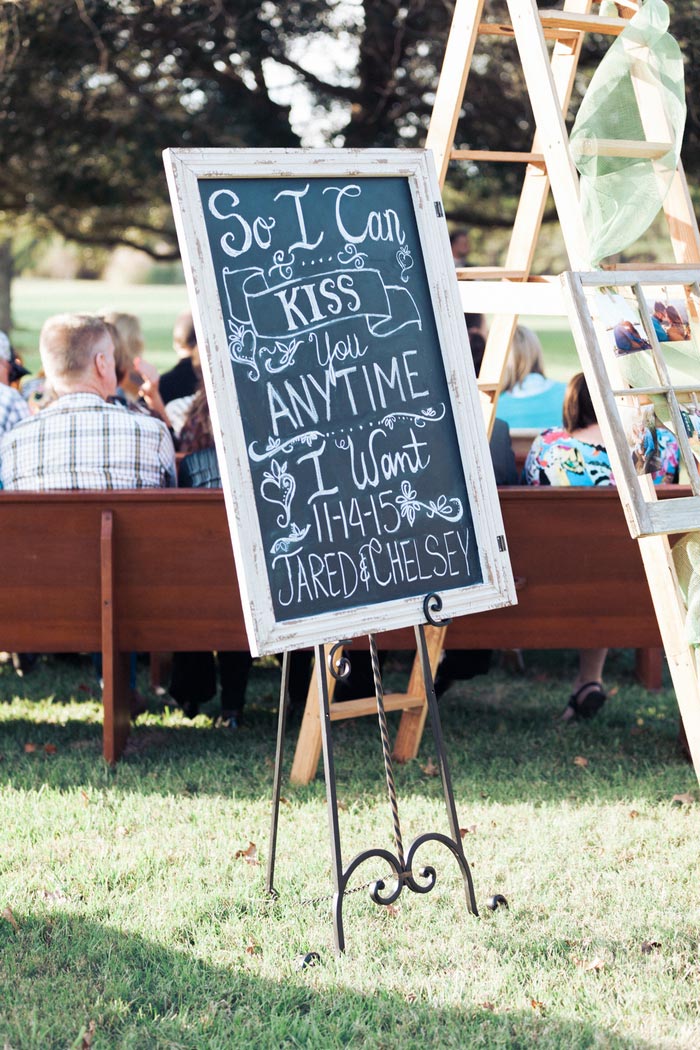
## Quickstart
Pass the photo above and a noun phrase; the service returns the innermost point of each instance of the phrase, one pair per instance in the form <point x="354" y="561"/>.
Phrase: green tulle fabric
<point x="621" y="196"/>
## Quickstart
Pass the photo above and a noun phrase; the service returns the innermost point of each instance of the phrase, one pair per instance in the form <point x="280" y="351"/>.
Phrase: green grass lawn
<point x="158" y="305"/>
<point x="127" y="920"/>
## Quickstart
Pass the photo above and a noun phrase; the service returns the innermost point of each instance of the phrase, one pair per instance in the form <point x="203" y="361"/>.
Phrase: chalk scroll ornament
<point x="416" y="419"/>
<point x="263" y="306"/>
<point x="409" y="505"/>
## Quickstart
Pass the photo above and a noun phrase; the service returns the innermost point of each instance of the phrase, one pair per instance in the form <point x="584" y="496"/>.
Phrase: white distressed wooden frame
<point x="266" y="633"/>
<point x="646" y="515"/>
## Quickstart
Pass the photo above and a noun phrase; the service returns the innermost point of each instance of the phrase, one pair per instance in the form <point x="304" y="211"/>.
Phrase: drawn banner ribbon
<point x="314" y="301"/>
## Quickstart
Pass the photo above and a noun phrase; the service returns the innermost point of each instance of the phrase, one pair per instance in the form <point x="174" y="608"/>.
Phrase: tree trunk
<point x="6" y="273"/>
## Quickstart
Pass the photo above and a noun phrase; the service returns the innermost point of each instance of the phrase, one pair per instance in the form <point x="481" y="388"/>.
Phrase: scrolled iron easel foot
<point x="496" y="902"/>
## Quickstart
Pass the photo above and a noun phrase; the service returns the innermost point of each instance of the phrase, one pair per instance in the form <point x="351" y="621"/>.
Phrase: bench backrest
<point x="581" y="576"/>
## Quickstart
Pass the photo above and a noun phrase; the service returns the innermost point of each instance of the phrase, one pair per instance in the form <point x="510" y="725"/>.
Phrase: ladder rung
<point x="368" y="705"/>
<point x="638" y="149"/>
<point x="497" y="155"/>
<point x="483" y="273"/>
<point x="567" y="20"/>
<point x="503" y="29"/>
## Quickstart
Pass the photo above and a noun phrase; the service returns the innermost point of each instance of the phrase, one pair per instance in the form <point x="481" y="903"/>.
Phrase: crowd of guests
<point x="99" y="416"/>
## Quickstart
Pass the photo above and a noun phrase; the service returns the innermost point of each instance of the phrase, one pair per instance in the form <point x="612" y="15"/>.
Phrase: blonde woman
<point x="529" y="400"/>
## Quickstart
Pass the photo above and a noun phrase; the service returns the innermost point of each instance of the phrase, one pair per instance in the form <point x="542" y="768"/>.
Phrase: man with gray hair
<point x="80" y="440"/>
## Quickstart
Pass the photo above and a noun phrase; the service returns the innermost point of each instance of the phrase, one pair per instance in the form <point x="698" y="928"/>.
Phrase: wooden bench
<point x="152" y="571"/>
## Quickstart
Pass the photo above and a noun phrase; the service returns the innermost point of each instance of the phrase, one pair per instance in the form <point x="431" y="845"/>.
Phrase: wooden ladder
<point x="511" y="290"/>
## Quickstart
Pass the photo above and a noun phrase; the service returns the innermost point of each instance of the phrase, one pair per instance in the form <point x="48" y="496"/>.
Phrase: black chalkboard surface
<point x="329" y="377"/>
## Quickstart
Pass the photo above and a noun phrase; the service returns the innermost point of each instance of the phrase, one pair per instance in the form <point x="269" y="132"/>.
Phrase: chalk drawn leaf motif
<point x="283" y="355"/>
<point x="407" y="502"/>
<point x="242" y="347"/>
<point x="293" y="539"/>
<point x="278" y="487"/>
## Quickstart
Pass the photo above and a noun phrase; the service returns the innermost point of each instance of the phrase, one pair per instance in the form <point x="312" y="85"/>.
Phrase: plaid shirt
<point x="13" y="407"/>
<point x="82" y="442"/>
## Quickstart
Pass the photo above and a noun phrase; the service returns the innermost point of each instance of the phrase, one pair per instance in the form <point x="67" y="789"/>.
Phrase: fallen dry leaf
<point x="650" y="946"/>
<point x="342" y="806"/>
<point x="410" y="997"/>
<point x="88" y="1036"/>
<point x="471" y="830"/>
<point x="85" y="798"/>
<point x="250" y="855"/>
<point x="284" y="801"/>
<point x="487" y="1005"/>
<point x="30" y="748"/>
<point x="537" y="1006"/>
<point x="430" y="769"/>
<point x="252" y="948"/>
<point x="614" y="691"/>
<point x="50" y="749"/>
<point x="392" y="910"/>
<point x="590" y="965"/>
<point x="684" y="800"/>
<point x="581" y="761"/>
<point x="7" y="914"/>
<point x="633" y="813"/>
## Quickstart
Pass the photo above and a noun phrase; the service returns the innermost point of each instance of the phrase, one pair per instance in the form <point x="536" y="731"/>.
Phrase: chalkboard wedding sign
<point x="355" y="464"/>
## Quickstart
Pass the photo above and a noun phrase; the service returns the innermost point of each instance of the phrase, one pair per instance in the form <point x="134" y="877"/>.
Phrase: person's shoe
<point x="23" y="663"/>
<point x="228" y="720"/>
<point x="137" y="704"/>
<point x="585" y="702"/>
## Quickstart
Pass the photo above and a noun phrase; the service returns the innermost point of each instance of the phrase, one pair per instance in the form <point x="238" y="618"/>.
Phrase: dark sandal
<point x="589" y="705"/>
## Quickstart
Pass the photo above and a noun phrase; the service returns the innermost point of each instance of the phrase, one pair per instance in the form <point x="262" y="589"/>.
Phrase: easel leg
<point x="331" y="798"/>
<point x="277" y="781"/>
<point x="422" y="648"/>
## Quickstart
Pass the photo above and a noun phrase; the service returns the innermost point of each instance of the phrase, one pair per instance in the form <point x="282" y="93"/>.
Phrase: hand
<point x="149" y="389"/>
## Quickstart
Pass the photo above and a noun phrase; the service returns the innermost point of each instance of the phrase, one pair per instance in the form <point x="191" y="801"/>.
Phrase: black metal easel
<point x="400" y="862"/>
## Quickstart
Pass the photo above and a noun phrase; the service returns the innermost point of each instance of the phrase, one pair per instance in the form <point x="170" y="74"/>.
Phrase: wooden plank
<point x="670" y="613"/>
<point x="453" y="81"/>
<point x="524" y="297"/>
<point x="412" y="722"/>
<point x="115" y="672"/>
<point x="631" y="148"/>
<point x="308" y="749"/>
<point x="496" y="156"/>
<point x="568" y="21"/>
<point x="367" y="705"/>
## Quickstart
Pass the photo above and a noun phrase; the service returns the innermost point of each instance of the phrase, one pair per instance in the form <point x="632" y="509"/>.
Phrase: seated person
<point x="528" y="399"/>
<point x="677" y="329"/>
<point x="80" y="440"/>
<point x="13" y="407"/>
<point x="193" y="678"/>
<point x="183" y="379"/>
<point x="467" y="663"/>
<point x="659" y="319"/>
<point x="574" y="454"/>
<point x="628" y="340"/>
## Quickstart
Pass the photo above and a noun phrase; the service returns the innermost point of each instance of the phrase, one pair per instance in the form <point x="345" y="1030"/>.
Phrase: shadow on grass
<point x="503" y="735"/>
<point x="62" y="977"/>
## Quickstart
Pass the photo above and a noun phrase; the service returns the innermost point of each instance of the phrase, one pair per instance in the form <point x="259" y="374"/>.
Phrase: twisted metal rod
<point x="386" y="749"/>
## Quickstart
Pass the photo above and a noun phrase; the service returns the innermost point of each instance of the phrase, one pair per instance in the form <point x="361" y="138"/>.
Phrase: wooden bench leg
<point x="308" y="749"/>
<point x="115" y="664"/>
<point x="412" y="722"/>
<point x="649" y="667"/>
